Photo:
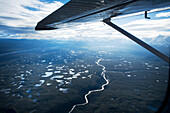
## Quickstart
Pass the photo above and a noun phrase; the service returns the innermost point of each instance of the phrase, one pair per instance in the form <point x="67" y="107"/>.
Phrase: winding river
<point x="101" y="89"/>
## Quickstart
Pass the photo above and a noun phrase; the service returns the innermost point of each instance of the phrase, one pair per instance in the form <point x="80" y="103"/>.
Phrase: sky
<point x="18" y="19"/>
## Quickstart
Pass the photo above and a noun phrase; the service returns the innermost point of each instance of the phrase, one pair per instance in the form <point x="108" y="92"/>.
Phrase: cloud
<point x="19" y="17"/>
<point x="148" y="28"/>
<point x="16" y="29"/>
<point x="164" y="14"/>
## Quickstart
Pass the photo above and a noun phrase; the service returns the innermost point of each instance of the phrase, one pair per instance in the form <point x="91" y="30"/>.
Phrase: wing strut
<point x="140" y="42"/>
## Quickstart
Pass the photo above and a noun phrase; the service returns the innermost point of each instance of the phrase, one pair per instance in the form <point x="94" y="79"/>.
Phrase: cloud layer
<point x="19" y="17"/>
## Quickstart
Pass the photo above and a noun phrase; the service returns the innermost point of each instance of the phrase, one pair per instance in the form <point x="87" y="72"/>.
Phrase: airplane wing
<point x="77" y="11"/>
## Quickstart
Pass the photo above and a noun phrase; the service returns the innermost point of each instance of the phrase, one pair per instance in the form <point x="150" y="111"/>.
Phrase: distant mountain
<point x="159" y="41"/>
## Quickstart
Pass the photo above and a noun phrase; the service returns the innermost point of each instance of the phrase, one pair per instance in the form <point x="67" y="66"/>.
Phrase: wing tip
<point x="38" y="28"/>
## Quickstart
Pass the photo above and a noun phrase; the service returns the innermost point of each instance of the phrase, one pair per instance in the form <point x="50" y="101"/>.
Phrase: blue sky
<point x="19" y="17"/>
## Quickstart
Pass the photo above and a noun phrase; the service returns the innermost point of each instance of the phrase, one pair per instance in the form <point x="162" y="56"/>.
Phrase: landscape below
<point x="52" y="76"/>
